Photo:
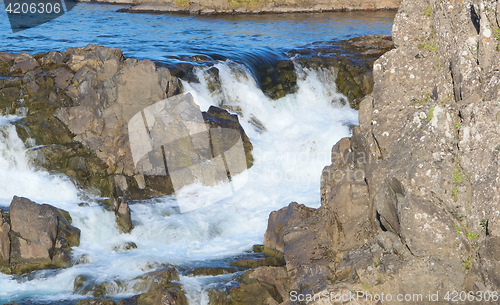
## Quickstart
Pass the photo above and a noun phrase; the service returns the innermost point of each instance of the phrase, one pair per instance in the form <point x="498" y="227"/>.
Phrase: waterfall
<point x="292" y="139"/>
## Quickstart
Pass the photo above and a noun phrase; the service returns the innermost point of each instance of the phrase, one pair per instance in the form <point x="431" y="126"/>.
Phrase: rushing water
<point x="300" y="130"/>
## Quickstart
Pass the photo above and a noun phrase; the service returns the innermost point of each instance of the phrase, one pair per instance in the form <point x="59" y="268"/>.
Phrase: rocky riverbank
<point x="204" y="7"/>
<point x="410" y="204"/>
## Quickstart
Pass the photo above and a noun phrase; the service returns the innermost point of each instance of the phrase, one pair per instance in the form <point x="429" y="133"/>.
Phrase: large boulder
<point x="278" y="220"/>
<point x="40" y="236"/>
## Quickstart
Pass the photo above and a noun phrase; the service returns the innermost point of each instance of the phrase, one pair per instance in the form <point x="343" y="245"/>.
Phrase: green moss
<point x="182" y="3"/>
<point x="430" y="115"/>
<point x="496" y="34"/>
<point x="428" y="11"/>
<point x="430" y="46"/>
<point x="471" y="236"/>
<point x="457" y="177"/>
<point x="458" y="230"/>
<point x="484" y="224"/>
<point x="467" y="263"/>
<point x="457" y="126"/>
<point x="498" y="147"/>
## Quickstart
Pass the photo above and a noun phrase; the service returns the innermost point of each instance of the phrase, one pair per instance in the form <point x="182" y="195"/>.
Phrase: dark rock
<point x="96" y="301"/>
<point x="122" y="213"/>
<point x="352" y="60"/>
<point x="125" y="247"/>
<point x="258" y="248"/>
<point x="254" y="263"/>
<point x="264" y="285"/>
<point x="171" y="296"/>
<point x="220" y="118"/>
<point x="53" y="60"/>
<point x="212" y="271"/>
<point x="156" y="280"/>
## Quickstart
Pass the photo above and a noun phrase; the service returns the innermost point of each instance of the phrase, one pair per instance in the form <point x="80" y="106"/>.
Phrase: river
<point x="289" y="153"/>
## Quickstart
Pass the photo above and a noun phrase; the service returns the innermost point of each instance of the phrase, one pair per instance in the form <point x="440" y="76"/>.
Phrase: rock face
<point x="35" y="237"/>
<point x="410" y="202"/>
<point x="257" y="6"/>
<point x="77" y="105"/>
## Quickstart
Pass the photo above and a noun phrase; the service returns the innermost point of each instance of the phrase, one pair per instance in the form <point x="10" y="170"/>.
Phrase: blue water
<point x="163" y="37"/>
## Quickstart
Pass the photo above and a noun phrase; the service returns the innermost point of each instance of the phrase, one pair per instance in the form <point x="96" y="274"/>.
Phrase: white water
<point x="300" y="130"/>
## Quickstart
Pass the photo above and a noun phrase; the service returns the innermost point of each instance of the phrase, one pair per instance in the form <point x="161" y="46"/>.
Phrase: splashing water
<point x="292" y="139"/>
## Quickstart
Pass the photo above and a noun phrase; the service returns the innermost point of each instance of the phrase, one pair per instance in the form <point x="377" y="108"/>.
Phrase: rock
<point x="122" y="213"/>
<point x="409" y="202"/>
<point x="96" y="301"/>
<point x="264" y="285"/>
<point x="487" y="265"/>
<point x="53" y="60"/>
<point x="352" y="60"/>
<point x="156" y="280"/>
<point x="77" y="107"/>
<point x="125" y="247"/>
<point x="62" y="77"/>
<point x="220" y="118"/>
<point x="253" y="263"/>
<point x="34" y="232"/>
<point x="212" y="271"/>
<point x="40" y="236"/>
<point x="172" y="296"/>
<point x="258" y="248"/>
<point x="278" y="220"/>
<point x="4" y="239"/>
<point x="255" y="7"/>
<point x="22" y="64"/>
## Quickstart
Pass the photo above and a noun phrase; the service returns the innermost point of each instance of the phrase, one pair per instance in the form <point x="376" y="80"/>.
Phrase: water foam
<point x="292" y="139"/>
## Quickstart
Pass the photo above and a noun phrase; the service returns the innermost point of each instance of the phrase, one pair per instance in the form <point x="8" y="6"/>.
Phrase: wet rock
<point x="38" y="236"/>
<point x="125" y="247"/>
<point x="264" y="285"/>
<point x="122" y="213"/>
<point x="254" y="263"/>
<point x="212" y="271"/>
<point x="156" y="280"/>
<point x="351" y="59"/>
<point x="220" y="118"/>
<point x="96" y="301"/>
<point x="258" y="248"/>
<point x="172" y="296"/>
